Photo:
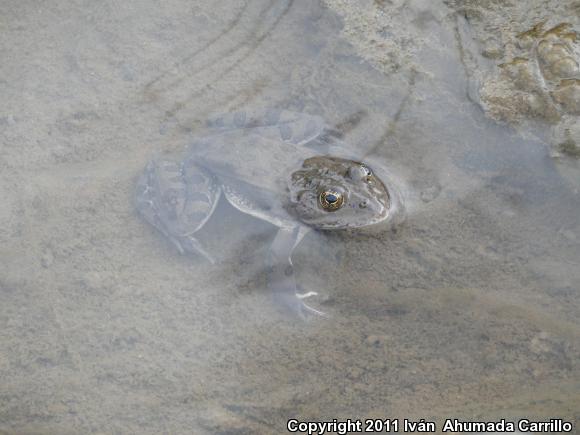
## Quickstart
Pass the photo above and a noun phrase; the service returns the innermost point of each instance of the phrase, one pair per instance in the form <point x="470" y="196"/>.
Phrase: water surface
<point x="469" y="308"/>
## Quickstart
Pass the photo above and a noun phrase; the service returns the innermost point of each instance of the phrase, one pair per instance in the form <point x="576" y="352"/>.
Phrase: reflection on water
<point x="468" y="308"/>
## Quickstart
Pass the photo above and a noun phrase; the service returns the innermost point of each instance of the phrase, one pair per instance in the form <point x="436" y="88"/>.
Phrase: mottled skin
<point x="271" y="165"/>
<point x="366" y="199"/>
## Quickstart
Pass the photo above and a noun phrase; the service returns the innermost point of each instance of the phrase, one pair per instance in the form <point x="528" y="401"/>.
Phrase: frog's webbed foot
<point x="282" y="276"/>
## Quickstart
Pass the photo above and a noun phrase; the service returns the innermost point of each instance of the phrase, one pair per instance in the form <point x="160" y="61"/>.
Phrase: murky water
<point x="467" y="309"/>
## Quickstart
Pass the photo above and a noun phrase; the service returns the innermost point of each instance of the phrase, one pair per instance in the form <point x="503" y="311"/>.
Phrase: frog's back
<point x="257" y="147"/>
<point x="250" y="158"/>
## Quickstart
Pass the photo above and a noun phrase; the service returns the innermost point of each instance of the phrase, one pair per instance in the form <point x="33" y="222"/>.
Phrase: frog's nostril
<point x="363" y="204"/>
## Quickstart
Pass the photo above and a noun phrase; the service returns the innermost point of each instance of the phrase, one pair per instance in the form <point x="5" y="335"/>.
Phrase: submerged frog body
<point x="277" y="166"/>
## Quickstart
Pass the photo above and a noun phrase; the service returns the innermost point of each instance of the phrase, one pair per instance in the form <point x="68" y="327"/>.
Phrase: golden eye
<point x="331" y="200"/>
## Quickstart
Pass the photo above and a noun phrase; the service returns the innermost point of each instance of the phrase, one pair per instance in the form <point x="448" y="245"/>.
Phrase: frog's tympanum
<point x="278" y="166"/>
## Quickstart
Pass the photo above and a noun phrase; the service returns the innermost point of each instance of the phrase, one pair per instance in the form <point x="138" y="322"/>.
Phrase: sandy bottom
<point x="468" y="309"/>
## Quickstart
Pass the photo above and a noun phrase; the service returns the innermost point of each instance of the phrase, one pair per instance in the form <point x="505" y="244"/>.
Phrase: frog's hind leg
<point x="293" y="127"/>
<point x="203" y="194"/>
<point x="282" y="276"/>
<point x="177" y="199"/>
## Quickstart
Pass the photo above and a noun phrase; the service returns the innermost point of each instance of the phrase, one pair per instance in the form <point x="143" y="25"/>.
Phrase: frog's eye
<point x="331" y="200"/>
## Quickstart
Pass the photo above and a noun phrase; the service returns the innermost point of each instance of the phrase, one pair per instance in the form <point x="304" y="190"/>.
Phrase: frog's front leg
<point x="282" y="276"/>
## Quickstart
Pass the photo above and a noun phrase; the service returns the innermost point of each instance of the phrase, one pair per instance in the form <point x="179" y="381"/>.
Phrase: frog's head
<point x="335" y="193"/>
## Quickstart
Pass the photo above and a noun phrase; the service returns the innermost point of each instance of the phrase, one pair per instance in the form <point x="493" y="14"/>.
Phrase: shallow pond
<point x="468" y="308"/>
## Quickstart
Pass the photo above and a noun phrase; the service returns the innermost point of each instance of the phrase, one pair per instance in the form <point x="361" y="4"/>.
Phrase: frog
<point x="285" y="168"/>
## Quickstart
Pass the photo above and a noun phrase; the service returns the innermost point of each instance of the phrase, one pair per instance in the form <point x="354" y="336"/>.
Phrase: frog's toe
<point x="306" y="295"/>
<point x="191" y="245"/>
<point x="307" y="309"/>
<point x="294" y="302"/>
<point x="302" y="295"/>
